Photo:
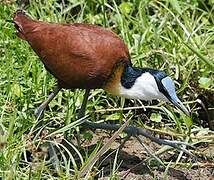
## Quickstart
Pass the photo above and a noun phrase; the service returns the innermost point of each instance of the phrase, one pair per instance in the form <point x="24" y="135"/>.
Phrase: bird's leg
<point x="135" y="131"/>
<point x="51" y="149"/>
<point x="38" y="112"/>
<point x="84" y="103"/>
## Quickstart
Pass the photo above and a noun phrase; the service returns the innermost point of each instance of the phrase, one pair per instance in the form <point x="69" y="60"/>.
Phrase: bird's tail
<point x="22" y="23"/>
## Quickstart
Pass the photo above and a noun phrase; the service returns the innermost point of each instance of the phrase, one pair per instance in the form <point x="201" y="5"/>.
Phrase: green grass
<point x="173" y="36"/>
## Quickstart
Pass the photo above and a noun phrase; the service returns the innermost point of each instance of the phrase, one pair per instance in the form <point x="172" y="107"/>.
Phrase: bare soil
<point x="133" y="167"/>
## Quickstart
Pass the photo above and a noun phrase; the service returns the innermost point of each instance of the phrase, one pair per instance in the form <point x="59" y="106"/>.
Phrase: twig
<point x="125" y="109"/>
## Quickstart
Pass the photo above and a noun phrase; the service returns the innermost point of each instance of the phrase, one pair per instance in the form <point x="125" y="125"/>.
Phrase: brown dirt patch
<point x="132" y="167"/>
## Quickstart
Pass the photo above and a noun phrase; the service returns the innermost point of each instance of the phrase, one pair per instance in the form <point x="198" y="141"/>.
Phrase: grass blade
<point x="91" y="163"/>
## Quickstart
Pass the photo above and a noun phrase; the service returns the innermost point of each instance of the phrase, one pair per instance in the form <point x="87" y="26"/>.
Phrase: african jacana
<point x="88" y="57"/>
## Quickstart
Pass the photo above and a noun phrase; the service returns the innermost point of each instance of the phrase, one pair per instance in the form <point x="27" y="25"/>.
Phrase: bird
<point x="86" y="56"/>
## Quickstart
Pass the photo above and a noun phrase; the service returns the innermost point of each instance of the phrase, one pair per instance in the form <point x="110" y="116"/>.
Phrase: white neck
<point x="144" y="88"/>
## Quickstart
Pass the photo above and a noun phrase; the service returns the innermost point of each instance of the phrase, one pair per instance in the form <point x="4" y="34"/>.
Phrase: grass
<point x="173" y="36"/>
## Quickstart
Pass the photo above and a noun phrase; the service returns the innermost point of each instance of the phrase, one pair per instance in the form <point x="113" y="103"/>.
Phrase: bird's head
<point x="149" y="84"/>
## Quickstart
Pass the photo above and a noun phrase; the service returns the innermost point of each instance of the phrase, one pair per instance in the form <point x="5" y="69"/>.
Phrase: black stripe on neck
<point x="130" y="74"/>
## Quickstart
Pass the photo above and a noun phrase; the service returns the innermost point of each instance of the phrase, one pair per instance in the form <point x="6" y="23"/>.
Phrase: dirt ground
<point x="132" y="167"/>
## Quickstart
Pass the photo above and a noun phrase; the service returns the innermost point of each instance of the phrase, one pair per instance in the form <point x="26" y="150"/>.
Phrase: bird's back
<point x="78" y="55"/>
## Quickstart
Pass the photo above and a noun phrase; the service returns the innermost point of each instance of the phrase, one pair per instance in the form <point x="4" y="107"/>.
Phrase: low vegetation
<point x="174" y="36"/>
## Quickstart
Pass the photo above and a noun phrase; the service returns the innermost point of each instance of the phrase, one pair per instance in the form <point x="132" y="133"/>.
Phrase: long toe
<point x="53" y="156"/>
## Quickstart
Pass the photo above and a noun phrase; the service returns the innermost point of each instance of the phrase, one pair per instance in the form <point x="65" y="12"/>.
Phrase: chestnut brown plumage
<point x="87" y="56"/>
<point x="78" y="55"/>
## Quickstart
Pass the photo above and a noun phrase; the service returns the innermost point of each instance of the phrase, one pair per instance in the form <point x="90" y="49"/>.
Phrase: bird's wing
<point x="79" y="55"/>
